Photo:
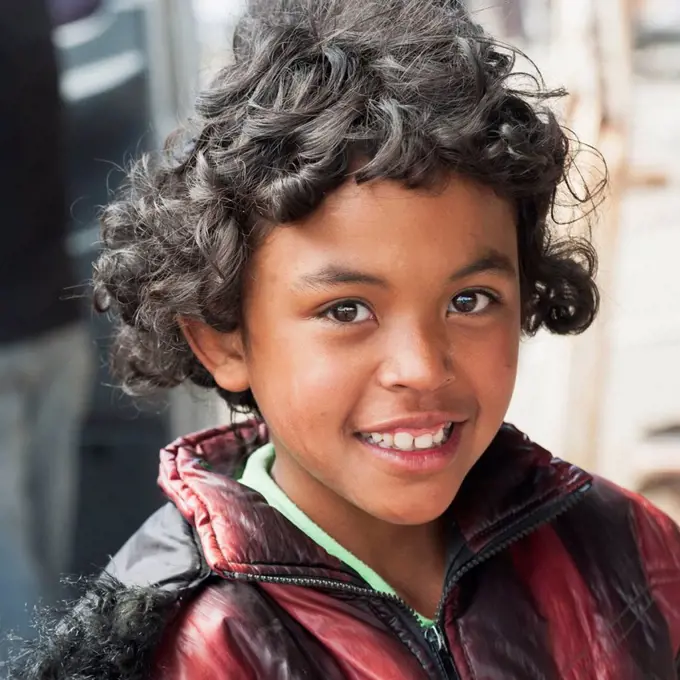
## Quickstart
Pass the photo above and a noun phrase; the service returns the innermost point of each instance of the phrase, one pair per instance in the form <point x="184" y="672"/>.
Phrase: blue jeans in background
<point x="44" y="388"/>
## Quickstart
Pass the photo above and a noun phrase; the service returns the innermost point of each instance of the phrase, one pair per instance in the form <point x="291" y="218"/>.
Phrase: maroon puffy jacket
<point x="553" y="574"/>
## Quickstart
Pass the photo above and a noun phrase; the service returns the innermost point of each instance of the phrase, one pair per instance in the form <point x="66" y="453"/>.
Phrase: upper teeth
<point x="407" y="442"/>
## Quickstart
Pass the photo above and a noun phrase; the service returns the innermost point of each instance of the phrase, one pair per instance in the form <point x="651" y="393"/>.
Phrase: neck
<point x="411" y="558"/>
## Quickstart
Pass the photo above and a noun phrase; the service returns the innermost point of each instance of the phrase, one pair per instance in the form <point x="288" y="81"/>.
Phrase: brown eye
<point x="470" y="302"/>
<point x="349" y="312"/>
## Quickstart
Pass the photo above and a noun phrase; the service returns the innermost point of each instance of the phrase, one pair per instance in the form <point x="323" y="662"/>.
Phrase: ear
<point x="222" y="354"/>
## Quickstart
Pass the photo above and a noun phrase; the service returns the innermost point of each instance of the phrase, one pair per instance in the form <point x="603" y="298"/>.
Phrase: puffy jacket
<point x="553" y="574"/>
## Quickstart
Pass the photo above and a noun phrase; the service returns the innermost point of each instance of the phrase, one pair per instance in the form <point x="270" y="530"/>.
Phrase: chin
<point x="412" y="510"/>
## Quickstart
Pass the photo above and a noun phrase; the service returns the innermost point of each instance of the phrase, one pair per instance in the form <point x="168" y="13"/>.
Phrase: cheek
<point x="505" y="370"/>
<point x="297" y="378"/>
<point x="492" y="368"/>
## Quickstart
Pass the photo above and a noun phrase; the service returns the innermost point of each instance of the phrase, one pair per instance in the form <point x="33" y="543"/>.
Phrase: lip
<point x="416" y="421"/>
<point x="427" y="461"/>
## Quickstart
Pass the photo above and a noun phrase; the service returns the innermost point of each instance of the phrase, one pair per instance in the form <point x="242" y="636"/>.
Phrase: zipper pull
<point x="436" y="638"/>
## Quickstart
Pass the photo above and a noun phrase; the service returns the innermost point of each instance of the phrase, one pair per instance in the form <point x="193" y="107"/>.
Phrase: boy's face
<point x="388" y="311"/>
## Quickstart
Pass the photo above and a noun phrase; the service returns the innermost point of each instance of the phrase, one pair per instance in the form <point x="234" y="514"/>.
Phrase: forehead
<point x="384" y="225"/>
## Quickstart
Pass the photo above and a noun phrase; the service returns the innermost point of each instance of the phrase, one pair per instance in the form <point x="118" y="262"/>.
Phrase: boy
<point x="349" y="248"/>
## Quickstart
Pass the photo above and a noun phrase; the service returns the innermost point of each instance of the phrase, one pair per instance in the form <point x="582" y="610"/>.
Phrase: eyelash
<point x="493" y="300"/>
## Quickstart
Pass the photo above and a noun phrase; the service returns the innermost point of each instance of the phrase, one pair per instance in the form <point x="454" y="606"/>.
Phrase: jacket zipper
<point x="515" y="532"/>
<point x="434" y="635"/>
<point x="437" y="640"/>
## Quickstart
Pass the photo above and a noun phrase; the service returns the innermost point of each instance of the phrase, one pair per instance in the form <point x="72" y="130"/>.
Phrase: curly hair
<point x="319" y="91"/>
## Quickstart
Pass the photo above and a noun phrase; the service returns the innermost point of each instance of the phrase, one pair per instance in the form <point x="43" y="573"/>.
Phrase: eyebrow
<point x="331" y="276"/>
<point x="492" y="261"/>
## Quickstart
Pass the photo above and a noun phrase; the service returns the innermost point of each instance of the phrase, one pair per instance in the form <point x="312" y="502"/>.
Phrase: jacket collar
<point x="514" y="483"/>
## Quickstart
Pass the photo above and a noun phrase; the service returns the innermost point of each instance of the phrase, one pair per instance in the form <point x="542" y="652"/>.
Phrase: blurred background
<point x="92" y="83"/>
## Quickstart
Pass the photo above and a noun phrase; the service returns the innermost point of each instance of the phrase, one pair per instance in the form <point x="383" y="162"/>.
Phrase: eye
<point x="470" y="302"/>
<point x="348" y="311"/>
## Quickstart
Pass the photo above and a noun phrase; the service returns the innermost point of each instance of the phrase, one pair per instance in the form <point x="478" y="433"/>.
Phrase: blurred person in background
<point x="44" y="346"/>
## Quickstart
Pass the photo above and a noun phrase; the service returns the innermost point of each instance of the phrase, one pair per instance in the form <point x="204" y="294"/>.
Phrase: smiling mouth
<point x="403" y="440"/>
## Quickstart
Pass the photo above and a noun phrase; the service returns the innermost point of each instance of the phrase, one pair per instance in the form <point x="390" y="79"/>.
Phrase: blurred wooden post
<point x="593" y="55"/>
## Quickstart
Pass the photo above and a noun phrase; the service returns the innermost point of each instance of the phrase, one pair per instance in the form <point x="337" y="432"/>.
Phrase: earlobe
<point x="222" y="354"/>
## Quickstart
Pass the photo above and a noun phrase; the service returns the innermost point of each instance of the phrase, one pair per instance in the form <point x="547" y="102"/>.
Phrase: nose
<point x="417" y="359"/>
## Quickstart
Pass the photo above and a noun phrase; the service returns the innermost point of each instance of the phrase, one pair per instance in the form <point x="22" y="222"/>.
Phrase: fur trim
<point x="111" y="633"/>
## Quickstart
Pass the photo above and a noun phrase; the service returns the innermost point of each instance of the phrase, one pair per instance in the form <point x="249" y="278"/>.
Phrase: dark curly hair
<point x="318" y="91"/>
